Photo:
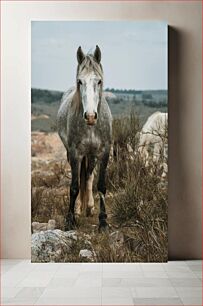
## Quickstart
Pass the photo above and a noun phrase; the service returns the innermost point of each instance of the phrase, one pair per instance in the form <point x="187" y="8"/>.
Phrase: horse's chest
<point x="91" y="143"/>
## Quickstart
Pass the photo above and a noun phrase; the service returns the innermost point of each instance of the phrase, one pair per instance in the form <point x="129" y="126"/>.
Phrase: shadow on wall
<point x="184" y="218"/>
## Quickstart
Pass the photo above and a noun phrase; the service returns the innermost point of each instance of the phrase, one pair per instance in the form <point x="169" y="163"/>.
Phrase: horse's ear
<point x="80" y="55"/>
<point x="97" y="54"/>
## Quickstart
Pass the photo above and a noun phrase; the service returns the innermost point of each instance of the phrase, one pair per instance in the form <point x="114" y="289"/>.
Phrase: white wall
<point x="184" y="112"/>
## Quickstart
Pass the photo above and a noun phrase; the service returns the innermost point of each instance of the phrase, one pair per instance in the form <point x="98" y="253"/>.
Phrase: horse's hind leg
<point x="74" y="190"/>
<point x="89" y="196"/>
<point x="78" y="205"/>
<point x="102" y="192"/>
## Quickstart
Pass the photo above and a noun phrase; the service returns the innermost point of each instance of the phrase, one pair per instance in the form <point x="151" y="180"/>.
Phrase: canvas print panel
<point x="99" y="111"/>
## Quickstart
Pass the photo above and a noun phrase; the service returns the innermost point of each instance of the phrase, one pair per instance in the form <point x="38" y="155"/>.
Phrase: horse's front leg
<point x="103" y="225"/>
<point x="70" y="222"/>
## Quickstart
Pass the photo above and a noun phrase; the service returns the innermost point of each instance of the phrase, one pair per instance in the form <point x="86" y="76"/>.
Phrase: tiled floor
<point x="174" y="283"/>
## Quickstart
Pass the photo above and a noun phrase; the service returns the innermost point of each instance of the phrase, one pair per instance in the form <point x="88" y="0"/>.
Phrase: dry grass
<point x="50" y="192"/>
<point x="136" y="202"/>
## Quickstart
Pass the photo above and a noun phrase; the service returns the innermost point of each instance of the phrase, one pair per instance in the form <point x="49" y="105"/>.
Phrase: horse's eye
<point x="99" y="82"/>
<point x="79" y="82"/>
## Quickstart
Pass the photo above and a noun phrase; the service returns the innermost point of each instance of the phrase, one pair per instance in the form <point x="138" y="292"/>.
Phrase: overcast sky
<point x="134" y="54"/>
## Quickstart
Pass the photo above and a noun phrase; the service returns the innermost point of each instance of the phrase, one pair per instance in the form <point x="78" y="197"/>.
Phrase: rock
<point x="38" y="227"/>
<point x="51" y="245"/>
<point x="116" y="240"/>
<point x="72" y="235"/>
<point x="87" y="254"/>
<point x="51" y="225"/>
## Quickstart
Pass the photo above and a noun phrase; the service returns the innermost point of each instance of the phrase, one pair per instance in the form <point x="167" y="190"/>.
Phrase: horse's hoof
<point x="70" y="223"/>
<point x="103" y="227"/>
<point x="69" y="226"/>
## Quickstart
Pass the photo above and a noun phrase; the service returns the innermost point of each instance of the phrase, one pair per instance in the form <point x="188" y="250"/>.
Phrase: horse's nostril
<point x="85" y="115"/>
<point x="95" y="115"/>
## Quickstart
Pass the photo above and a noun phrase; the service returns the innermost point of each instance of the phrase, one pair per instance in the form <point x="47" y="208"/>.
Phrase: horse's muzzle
<point x="90" y="118"/>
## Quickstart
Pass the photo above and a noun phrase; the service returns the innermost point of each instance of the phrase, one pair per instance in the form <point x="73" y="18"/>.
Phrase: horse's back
<point x="153" y="129"/>
<point x="157" y="121"/>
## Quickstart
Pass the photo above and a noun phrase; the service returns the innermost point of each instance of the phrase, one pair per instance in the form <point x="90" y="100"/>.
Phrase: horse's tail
<point x="83" y="183"/>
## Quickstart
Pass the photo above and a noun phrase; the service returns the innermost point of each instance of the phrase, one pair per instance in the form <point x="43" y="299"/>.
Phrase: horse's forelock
<point x="89" y="64"/>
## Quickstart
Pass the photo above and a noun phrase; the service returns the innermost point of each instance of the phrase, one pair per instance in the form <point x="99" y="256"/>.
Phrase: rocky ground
<point x="51" y="176"/>
<point x="136" y="205"/>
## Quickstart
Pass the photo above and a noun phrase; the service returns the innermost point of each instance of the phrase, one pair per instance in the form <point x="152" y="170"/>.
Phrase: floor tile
<point x="44" y="267"/>
<point x="123" y="274"/>
<point x="192" y="301"/>
<point x="122" y="267"/>
<point x="89" y="282"/>
<point x="11" y="261"/>
<point x="198" y="274"/>
<point x="37" y="279"/>
<point x="97" y="267"/>
<point x="189" y="291"/>
<point x="9" y="292"/>
<point x="28" y="292"/>
<point x="72" y="292"/>
<point x="179" y="274"/>
<point x="193" y="262"/>
<point x="4" y="301"/>
<point x="157" y="301"/>
<point x="69" y="301"/>
<point x="177" y="268"/>
<point x="196" y="268"/>
<point x="117" y="301"/>
<point x="116" y="292"/>
<point x="15" y="275"/>
<point x="175" y="263"/>
<point x="152" y="267"/>
<point x="155" y="274"/>
<point x="6" y="268"/>
<point x="66" y="273"/>
<point x="61" y="282"/>
<point x="21" y="301"/>
<point x="146" y="282"/>
<point x="185" y="282"/>
<point x="112" y="282"/>
<point x="154" y="292"/>
<point x="90" y="274"/>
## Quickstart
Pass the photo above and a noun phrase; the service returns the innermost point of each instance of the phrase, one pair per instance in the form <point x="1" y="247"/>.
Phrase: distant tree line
<point x="45" y="96"/>
<point x="123" y="91"/>
<point x="134" y="92"/>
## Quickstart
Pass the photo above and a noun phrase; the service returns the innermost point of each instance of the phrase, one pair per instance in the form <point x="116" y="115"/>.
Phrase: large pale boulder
<point x="52" y="245"/>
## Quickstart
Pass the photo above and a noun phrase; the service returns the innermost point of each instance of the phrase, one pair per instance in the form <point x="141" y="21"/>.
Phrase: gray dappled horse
<point x="84" y="124"/>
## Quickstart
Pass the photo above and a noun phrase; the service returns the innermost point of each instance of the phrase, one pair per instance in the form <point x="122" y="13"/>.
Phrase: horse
<point x="153" y="139"/>
<point x="84" y="124"/>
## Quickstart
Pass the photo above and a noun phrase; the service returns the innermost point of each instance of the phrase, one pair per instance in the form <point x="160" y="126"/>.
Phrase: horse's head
<point x="89" y="83"/>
